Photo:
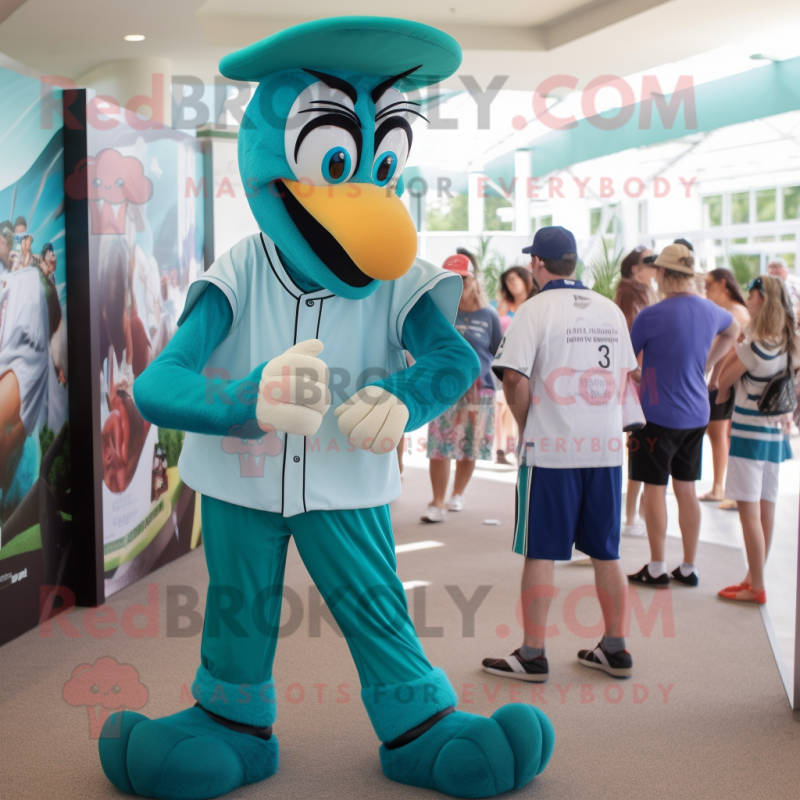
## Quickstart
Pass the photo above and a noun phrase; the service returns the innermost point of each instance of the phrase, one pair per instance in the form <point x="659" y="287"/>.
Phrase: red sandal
<point x="759" y="598"/>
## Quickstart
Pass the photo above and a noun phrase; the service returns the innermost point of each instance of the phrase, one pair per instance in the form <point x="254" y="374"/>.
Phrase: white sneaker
<point x="456" y="503"/>
<point x="638" y="529"/>
<point x="434" y="514"/>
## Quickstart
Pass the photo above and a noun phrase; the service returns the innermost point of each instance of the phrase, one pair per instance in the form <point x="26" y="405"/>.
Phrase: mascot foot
<point x="465" y="755"/>
<point x="188" y="756"/>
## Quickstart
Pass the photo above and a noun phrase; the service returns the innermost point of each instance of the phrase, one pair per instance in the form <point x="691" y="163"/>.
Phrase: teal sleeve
<point x="446" y="366"/>
<point x="173" y="393"/>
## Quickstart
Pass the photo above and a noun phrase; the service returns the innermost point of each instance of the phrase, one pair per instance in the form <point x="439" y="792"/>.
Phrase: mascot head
<point x="324" y="141"/>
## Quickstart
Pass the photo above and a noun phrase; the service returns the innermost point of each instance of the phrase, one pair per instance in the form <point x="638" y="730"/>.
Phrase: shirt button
<point x="296" y="459"/>
<point x="309" y="303"/>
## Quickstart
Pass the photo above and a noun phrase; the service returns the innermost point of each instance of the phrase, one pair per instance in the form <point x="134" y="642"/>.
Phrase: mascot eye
<point x="336" y="165"/>
<point x="94" y="689"/>
<point x="391" y="154"/>
<point x="116" y="688"/>
<point x="119" y="182"/>
<point x="384" y="168"/>
<point x="326" y="156"/>
<point x="97" y="182"/>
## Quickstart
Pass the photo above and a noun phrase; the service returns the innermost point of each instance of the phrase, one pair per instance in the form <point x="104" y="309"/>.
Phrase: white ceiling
<point x="524" y="39"/>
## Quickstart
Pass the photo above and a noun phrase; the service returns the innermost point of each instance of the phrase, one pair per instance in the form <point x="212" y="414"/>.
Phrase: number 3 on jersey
<point x="605" y="362"/>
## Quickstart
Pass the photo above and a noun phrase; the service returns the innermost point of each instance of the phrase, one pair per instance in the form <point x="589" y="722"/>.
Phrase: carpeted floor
<point x="705" y="715"/>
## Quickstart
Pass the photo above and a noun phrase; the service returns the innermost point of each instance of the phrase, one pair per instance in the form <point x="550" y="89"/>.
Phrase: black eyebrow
<point x="335" y="83"/>
<point x="378" y="91"/>
<point x="390" y="124"/>
<point x="338" y="120"/>
<point x="388" y="111"/>
<point x="345" y="109"/>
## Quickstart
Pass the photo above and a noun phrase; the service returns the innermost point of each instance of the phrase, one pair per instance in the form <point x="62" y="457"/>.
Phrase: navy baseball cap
<point x="553" y="242"/>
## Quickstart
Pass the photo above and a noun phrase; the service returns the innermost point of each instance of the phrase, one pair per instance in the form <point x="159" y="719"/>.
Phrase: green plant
<point x="744" y="268"/>
<point x="493" y="267"/>
<point x="604" y="269"/>
<point x="46" y="437"/>
<point x="171" y="442"/>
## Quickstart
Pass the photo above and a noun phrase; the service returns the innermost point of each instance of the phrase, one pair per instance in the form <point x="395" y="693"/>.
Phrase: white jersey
<point x="288" y="473"/>
<point x="573" y="345"/>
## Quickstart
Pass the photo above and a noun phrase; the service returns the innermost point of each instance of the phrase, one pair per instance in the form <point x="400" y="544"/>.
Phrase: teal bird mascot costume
<point x="293" y="342"/>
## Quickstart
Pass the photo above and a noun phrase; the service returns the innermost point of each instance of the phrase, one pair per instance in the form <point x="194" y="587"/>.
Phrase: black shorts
<point x="721" y="411"/>
<point x="655" y="453"/>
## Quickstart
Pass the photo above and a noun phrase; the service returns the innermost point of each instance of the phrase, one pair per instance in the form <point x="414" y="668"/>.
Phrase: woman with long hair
<point x="722" y="289"/>
<point x="758" y="446"/>
<point x="516" y="286"/>
<point x="465" y="432"/>
<point x="634" y="293"/>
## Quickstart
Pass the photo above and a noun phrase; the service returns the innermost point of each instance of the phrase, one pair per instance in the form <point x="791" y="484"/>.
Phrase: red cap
<point x="459" y="264"/>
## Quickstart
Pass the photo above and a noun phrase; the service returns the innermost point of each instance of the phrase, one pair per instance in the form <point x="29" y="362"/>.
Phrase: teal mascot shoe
<point x="188" y="756"/>
<point x="331" y="284"/>
<point x="465" y="755"/>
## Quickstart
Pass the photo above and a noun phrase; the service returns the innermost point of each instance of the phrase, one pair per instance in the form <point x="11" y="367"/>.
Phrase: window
<point x="594" y="220"/>
<point x="791" y="201"/>
<point x="492" y="221"/>
<point x="789" y="259"/>
<point x="763" y="238"/>
<point x="740" y="208"/>
<point x="787" y="237"/>
<point x="448" y="214"/>
<point x="765" y="205"/>
<point x="545" y="222"/>
<point x="739" y="241"/>
<point x="713" y="210"/>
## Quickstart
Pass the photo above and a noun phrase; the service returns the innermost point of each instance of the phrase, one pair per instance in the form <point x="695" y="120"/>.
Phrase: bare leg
<point x="536" y="574"/>
<point x="612" y="590"/>
<point x="631" y="499"/>
<point x="767" y="524"/>
<point x="464" y="470"/>
<point x="655" y="516"/>
<point x="400" y="448"/>
<point x="688" y="518"/>
<point x="718" y="436"/>
<point x="440" y="475"/>
<point x="12" y="431"/>
<point x="755" y="546"/>
<point x="500" y="416"/>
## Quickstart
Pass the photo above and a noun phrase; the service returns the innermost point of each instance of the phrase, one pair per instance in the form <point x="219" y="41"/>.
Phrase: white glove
<point x="373" y="419"/>
<point x="293" y="393"/>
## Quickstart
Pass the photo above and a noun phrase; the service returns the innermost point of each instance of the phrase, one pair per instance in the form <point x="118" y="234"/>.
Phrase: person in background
<point x="686" y="243"/>
<point x="722" y="289"/>
<point x="20" y="225"/>
<point x="569" y="494"/>
<point x="516" y="286"/>
<point x="758" y="445"/>
<point x="778" y="269"/>
<point x="634" y="292"/>
<point x="25" y="257"/>
<point x="466" y="430"/>
<point x="6" y="235"/>
<point x="679" y="339"/>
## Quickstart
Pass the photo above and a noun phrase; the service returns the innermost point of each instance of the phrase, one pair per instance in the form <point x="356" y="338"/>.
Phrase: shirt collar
<point x="563" y="283"/>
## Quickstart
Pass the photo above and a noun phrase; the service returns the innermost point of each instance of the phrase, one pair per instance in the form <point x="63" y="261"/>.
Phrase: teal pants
<point x="350" y="557"/>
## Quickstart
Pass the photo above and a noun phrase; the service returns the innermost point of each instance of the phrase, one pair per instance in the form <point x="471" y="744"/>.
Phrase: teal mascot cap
<point x="331" y="282"/>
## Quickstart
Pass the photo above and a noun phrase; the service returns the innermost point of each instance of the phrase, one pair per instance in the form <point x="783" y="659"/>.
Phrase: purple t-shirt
<point x="676" y="335"/>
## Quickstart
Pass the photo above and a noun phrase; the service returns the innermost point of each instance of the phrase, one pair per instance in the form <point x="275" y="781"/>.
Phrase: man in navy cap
<point x="563" y="361"/>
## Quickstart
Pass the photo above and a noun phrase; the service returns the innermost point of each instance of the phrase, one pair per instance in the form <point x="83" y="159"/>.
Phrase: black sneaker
<point x="515" y="666"/>
<point x="689" y="580"/>
<point x="644" y="576"/>
<point x="620" y="665"/>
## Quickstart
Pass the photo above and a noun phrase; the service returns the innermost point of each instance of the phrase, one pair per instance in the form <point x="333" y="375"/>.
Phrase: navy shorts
<point x="557" y="508"/>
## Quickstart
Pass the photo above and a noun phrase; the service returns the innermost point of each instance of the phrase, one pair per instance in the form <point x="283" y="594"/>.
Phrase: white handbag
<point x="632" y="414"/>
